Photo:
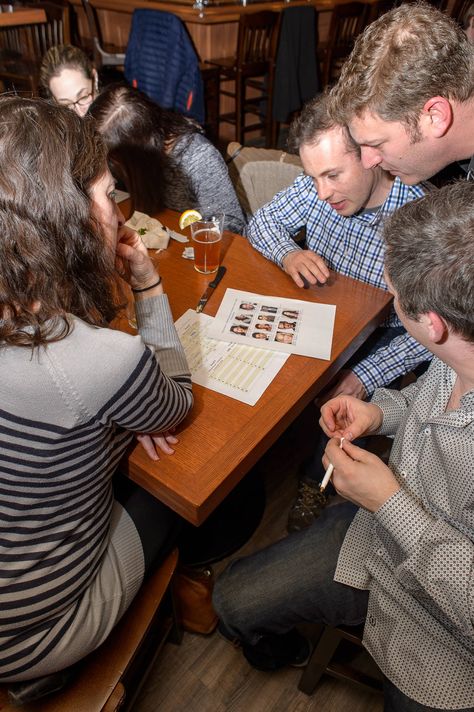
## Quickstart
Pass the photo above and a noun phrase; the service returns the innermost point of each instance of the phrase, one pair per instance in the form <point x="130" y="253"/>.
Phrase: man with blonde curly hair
<point x="407" y="93"/>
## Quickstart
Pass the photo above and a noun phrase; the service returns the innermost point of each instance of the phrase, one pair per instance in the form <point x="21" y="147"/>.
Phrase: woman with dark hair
<point x="237" y="329"/>
<point x="68" y="77"/>
<point x="163" y="158"/>
<point x="73" y="552"/>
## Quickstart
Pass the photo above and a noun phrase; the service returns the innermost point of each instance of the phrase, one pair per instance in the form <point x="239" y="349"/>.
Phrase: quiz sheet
<point x="236" y="370"/>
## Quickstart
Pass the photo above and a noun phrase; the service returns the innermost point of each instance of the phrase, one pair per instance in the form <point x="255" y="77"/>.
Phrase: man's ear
<point x="437" y="116"/>
<point x="436" y="327"/>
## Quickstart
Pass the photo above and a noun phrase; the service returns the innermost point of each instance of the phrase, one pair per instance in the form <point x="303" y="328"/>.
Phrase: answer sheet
<point x="235" y="370"/>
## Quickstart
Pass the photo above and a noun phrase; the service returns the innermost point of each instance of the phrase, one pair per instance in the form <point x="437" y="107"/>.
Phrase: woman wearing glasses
<point x="68" y="77"/>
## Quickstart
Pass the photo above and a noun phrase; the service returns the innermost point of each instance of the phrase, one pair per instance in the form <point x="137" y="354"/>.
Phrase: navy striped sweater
<point x="66" y="412"/>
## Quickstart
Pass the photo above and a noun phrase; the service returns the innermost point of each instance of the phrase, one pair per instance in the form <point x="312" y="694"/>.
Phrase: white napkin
<point x="152" y="232"/>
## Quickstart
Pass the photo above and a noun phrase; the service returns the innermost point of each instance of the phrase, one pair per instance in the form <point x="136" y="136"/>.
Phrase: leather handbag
<point x="193" y="595"/>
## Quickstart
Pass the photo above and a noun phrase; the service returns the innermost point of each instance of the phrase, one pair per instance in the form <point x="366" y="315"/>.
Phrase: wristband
<point x="145" y="289"/>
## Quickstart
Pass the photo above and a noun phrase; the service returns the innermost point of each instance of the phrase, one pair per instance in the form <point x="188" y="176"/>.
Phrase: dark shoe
<point x="307" y="506"/>
<point x="273" y="652"/>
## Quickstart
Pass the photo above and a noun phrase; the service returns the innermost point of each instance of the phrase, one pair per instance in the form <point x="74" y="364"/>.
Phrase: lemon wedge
<point x="188" y="217"/>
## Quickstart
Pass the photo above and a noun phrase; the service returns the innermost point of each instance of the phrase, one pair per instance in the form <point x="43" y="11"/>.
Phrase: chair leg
<point x="272" y="134"/>
<point x="175" y="635"/>
<point x="239" y="108"/>
<point x="319" y="660"/>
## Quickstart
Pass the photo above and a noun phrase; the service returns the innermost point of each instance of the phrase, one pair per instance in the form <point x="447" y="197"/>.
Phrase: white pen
<point x="328" y="473"/>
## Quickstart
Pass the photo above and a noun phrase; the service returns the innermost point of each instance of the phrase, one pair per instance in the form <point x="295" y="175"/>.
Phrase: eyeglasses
<point x="81" y="102"/>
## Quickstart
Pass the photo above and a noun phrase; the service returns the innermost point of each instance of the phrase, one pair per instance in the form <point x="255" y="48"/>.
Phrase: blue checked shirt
<point x="352" y="246"/>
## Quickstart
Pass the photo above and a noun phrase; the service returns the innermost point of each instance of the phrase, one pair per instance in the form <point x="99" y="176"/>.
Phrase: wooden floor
<point x="206" y="674"/>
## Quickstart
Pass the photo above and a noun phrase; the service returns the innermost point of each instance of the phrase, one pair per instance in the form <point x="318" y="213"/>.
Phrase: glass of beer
<point x="206" y="236"/>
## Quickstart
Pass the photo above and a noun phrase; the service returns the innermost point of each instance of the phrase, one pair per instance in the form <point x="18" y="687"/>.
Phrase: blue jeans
<point x="292" y="582"/>
<point x="396" y="701"/>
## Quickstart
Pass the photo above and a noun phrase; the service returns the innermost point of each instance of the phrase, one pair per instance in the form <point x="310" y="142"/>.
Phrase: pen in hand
<point x="328" y="473"/>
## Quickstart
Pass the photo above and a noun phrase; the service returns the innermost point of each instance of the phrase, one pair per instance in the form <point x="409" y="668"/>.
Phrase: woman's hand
<point x="348" y="417"/>
<point x="132" y="260"/>
<point x="152" y="442"/>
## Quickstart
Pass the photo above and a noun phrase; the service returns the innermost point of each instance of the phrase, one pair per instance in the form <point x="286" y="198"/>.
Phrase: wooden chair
<point x="259" y="173"/>
<point x="110" y="678"/>
<point x="103" y="55"/>
<point x="324" y="661"/>
<point x="459" y="9"/>
<point x="22" y="48"/>
<point x="211" y="84"/>
<point x="253" y="68"/>
<point x="378" y="8"/>
<point x="347" y="21"/>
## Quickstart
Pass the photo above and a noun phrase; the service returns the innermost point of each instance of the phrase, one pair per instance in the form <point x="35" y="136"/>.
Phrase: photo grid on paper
<point x="264" y="322"/>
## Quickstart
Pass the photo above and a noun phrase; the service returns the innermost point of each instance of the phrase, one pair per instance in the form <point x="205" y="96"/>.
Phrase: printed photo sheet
<point x="290" y="326"/>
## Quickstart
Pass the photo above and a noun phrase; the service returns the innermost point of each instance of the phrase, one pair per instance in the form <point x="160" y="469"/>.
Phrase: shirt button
<point x="403" y="474"/>
<point x="427" y="430"/>
<point x="372" y="620"/>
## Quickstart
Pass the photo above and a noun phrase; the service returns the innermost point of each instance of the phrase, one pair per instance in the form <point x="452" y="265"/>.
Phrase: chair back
<point x="102" y="58"/>
<point x="379" y="8"/>
<point x="257" y="42"/>
<point x="259" y="173"/>
<point x="347" y="22"/>
<point x="162" y="62"/>
<point x="459" y="9"/>
<point x="22" y="48"/>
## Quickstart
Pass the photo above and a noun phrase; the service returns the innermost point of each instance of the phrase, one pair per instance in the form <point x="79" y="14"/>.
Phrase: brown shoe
<point x="307" y="506"/>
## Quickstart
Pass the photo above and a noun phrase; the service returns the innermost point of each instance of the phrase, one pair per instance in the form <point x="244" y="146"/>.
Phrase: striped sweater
<point x="66" y="412"/>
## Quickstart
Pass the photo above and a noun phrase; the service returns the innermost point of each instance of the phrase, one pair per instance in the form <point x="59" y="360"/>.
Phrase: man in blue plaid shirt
<point x="341" y="205"/>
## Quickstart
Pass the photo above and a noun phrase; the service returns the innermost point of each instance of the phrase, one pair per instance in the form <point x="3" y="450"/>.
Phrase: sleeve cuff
<point x="404" y="519"/>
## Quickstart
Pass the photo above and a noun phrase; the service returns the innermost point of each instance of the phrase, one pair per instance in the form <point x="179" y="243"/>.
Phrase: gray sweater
<point x="67" y="413"/>
<point x="198" y="178"/>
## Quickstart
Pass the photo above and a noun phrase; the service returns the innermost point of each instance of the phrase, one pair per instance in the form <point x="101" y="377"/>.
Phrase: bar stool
<point x="324" y="661"/>
<point x="22" y="48"/>
<point x="379" y="8"/>
<point x="459" y="9"/>
<point x="253" y="67"/>
<point x="104" y="56"/>
<point x="110" y="678"/>
<point x="347" y="21"/>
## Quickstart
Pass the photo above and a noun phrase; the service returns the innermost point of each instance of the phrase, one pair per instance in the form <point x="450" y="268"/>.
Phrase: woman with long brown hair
<point x="73" y="392"/>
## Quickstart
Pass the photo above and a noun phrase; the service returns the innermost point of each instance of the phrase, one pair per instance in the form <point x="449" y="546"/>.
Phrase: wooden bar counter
<point x="213" y="28"/>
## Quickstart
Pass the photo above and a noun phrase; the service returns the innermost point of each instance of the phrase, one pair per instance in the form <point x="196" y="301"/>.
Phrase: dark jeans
<point x="158" y="526"/>
<point x="396" y="701"/>
<point x="290" y="582"/>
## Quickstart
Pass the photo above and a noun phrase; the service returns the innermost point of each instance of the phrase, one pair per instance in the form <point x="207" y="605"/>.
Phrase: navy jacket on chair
<point x="296" y="70"/>
<point x="162" y="62"/>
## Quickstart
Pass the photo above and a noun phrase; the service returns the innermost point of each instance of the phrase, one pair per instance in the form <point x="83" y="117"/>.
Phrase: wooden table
<point x="22" y="16"/>
<point x="223" y="438"/>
